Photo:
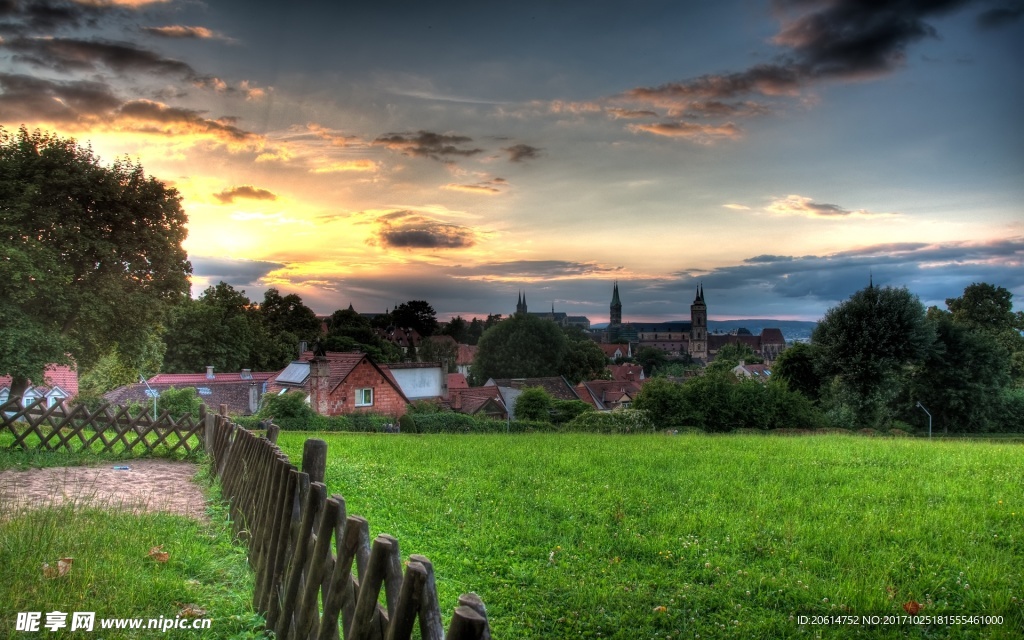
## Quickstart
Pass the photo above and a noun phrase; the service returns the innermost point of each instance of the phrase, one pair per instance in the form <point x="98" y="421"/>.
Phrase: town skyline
<point x="780" y="153"/>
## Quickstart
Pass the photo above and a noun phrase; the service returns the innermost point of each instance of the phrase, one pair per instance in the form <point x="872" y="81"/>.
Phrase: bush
<point x="287" y="406"/>
<point x="179" y="402"/>
<point x="563" y="411"/>
<point x="618" y="421"/>
<point x="534" y="404"/>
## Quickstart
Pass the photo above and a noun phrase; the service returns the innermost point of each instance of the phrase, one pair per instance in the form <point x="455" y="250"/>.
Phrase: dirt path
<point x="149" y="485"/>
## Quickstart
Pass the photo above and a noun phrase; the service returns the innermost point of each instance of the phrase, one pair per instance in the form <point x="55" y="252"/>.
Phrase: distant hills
<point x="792" y="330"/>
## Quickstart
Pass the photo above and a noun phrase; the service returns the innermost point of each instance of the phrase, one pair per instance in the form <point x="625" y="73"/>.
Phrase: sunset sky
<point x="374" y="153"/>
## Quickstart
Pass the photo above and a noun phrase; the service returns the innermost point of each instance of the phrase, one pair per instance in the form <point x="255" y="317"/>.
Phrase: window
<point x="364" y="397"/>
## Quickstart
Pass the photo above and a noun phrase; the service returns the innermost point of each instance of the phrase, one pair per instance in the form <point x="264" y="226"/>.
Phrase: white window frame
<point x="361" y="397"/>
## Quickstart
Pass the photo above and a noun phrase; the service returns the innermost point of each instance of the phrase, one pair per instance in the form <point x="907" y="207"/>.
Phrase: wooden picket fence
<point x="112" y="426"/>
<point x="305" y="584"/>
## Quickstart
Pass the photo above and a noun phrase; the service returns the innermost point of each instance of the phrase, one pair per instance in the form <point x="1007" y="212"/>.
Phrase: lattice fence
<point x="109" y="428"/>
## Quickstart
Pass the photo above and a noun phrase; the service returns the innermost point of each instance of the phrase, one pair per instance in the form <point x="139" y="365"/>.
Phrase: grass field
<point x="699" y="536"/>
<point x="113" y="573"/>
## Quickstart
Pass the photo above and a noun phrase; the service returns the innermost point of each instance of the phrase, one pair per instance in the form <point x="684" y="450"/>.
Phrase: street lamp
<point x="155" y="395"/>
<point x="921" y="407"/>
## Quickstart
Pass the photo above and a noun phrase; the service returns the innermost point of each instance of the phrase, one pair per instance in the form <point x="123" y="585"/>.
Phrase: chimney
<point x="742" y="363"/>
<point x="319" y="391"/>
<point x="303" y="347"/>
<point x="209" y="372"/>
<point x="246" y="374"/>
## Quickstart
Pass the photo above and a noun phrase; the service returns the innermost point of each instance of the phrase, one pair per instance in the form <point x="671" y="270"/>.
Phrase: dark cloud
<point x="1001" y="16"/>
<point x="532" y="270"/>
<point x="411" y="230"/>
<point x="30" y="16"/>
<point x="230" y="270"/>
<point x="823" y="40"/>
<point x="246" y="191"/>
<point x="155" y="117"/>
<point x="521" y="152"/>
<point x="27" y="99"/>
<point x="426" y="144"/>
<point x="70" y="54"/>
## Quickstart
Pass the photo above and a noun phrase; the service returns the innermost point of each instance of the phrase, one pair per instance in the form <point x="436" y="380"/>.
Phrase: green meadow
<point x="601" y="536"/>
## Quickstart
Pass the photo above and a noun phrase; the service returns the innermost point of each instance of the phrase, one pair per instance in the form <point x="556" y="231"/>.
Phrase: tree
<point x="650" y="359"/>
<point x="521" y="346"/>
<point x="796" y="367"/>
<point x="441" y="349"/>
<point x="989" y="309"/>
<point x="216" y="330"/>
<point x="962" y="379"/>
<point x="90" y="255"/>
<point x="180" y="402"/>
<point x="729" y="356"/>
<point x="535" y="404"/>
<point x="415" y="314"/>
<point x="868" y="343"/>
<point x="583" y="360"/>
<point x="287" y="314"/>
<point x="458" y="329"/>
<point x="116" y="369"/>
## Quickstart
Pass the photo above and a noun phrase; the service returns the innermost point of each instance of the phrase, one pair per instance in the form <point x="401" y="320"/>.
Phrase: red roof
<point x="610" y="349"/>
<point x="466" y="354"/>
<point x="55" y="375"/>
<point x="194" y="379"/>
<point x="457" y="381"/>
<point x="626" y="372"/>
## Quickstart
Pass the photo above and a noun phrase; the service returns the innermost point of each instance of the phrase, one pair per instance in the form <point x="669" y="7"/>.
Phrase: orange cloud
<point x="350" y="165"/>
<point x="795" y="205"/>
<point x="701" y="133"/>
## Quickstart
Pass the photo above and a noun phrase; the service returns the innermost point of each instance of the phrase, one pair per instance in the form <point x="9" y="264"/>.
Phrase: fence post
<point x="272" y="431"/>
<point x="314" y="459"/>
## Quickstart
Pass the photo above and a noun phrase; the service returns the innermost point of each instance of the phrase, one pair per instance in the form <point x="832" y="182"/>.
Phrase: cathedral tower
<point x="521" y="304"/>
<point x="699" y="327"/>
<point x="616" y="307"/>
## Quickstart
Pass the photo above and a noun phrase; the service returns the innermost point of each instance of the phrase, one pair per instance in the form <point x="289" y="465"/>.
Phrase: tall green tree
<point x="796" y="366"/>
<point x="868" y="343"/>
<point x="90" y="255"/>
<point x="215" y="330"/>
<point x="521" y="346"/>
<point x="989" y="308"/>
<point x="583" y="360"/>
<point x="458" y="329"/>
<point x="962" y="378"/>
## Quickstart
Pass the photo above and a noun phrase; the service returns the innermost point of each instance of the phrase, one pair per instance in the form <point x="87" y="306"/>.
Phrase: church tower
<point x="616" y="307"/>
<point x="521" y="304"/>
<point x="699" y="327"/>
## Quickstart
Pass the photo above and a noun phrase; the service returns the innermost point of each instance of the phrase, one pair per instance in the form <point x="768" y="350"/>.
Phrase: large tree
<point x="868" y="342"/>
<point x="988" y="309"/>
<point x="521" y="346"/>
<point x="416" y="314"/>
<point x="90" y="255"/>
<point x="216" y="330"/>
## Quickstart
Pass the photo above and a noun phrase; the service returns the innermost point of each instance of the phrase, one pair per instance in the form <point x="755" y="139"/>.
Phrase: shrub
<point x="283" y="406"/>
<point x="407" y="424"/>
<point x="534" y="404"/>
<point x="563" y="411"/>
<point x="618" y="421"/>
<point x="179" y="402"/>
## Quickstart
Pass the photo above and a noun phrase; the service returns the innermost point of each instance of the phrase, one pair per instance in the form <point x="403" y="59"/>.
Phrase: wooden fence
<point x="112" y="426"/>
<point x="304" y="584"/>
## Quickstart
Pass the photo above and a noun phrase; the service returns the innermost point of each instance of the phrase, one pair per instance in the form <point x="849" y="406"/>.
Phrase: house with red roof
<point x="240" y="392"/>
<point x="607" y="395"/>
<point x="626" y="372"/>
<point x="343" y="383"/>
<point x="60" y="384"/>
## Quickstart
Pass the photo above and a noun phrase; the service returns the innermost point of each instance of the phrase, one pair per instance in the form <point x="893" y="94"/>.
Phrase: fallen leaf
<point x="158" y="554"/>
<point x="912" y="607"/>
<point x="62" y="568"/>
<point x="190" y="611"/>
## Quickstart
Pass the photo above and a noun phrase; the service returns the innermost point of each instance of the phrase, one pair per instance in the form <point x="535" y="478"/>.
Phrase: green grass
<point x="657" y="536"/>
<point x="113" y="574"/>
<point x="29" y="456"/>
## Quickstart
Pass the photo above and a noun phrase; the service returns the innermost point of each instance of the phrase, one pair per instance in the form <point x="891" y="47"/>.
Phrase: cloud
<point x="178" y="31"/>
<point x="29" y="99"/>
<point x="1001" y="16"/>
<point x="412" y="230"/>
<point x="153" y="117"/>
<point x="346" y="166"/>
<point x="486" y="187"/>
<point x="70" y="54"/>
<point x="630" y="114"/>
<point x="426" y="144"/>
<point x="821" y="40"/>
<point x="795" y="205"/>
<point x="521" y="152"/>
<point x="49" y="16"/>
<point x="702" y="133"/>
<point x="533" y="270"/>
<point x="232" y="270"/>
<point x="246" y="191"/>
<point x="336" y="138"/>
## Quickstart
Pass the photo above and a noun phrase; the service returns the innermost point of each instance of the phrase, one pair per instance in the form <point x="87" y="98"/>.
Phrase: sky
<point x="780" y="153"/>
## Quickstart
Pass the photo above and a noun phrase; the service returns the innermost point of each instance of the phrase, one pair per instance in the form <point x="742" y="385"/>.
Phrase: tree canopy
<point x="521" y="346"/>
<point x="90" y="255"/>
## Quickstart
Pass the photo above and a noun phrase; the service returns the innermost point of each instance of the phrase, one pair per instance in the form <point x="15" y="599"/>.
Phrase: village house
<point x="240" y="392"/>
<point x="60" y="384"/>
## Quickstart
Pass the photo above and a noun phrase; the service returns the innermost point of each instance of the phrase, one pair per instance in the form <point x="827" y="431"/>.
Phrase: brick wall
<point x="386" y="400"/>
